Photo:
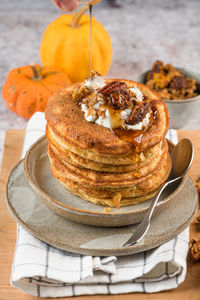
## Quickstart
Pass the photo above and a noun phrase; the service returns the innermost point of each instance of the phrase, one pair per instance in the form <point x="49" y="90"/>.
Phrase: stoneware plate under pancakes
<point x="64" y="203"/>
<point x="62" y="233"/>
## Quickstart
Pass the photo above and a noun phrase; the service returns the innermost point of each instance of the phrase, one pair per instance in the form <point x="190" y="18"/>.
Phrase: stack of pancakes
<point x="95" y="164"/>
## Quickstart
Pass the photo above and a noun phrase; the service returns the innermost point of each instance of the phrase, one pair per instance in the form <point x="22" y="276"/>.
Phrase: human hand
<point x="66" y="5"/>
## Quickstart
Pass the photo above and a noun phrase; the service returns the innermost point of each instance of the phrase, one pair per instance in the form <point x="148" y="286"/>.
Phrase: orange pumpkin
<point x="66" y="45"/>
<point x="27" y="89"/>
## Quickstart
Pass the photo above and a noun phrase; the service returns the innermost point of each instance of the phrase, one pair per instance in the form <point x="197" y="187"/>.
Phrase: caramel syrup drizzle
<point x="133" y="136"/>
<point x="128" y="135"/>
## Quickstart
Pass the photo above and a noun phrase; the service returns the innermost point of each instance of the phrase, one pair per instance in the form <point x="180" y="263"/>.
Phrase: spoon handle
<point x="144" y="225"/>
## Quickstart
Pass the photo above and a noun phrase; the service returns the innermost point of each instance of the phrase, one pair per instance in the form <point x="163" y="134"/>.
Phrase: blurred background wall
<point x="141" y="32"/>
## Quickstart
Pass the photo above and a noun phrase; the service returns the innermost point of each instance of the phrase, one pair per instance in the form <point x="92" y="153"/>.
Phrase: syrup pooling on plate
<point x="123" y="110"/>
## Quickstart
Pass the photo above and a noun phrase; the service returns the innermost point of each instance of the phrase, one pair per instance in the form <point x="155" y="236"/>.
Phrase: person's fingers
<point x="66" y="5"/>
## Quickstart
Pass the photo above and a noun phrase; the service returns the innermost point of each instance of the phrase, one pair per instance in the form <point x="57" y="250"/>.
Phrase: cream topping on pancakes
<point x="105" y="121"/>
<point x="100" y="113"/>
<point x="139" y="95"/>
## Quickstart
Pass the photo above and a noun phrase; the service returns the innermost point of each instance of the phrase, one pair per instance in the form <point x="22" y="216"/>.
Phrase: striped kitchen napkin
<point x="42" y="270"/>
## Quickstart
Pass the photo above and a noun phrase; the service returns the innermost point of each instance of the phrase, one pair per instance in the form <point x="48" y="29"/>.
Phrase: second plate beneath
<point x="30" y="212"/>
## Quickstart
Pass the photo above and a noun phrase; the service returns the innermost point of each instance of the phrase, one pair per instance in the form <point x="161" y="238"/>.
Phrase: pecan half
<point x="115" y="86"/>
<point x="138" y="113"/>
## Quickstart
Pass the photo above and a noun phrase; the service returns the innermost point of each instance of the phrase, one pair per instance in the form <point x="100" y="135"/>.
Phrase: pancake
<point x="95" y="178"/>
<point x="72" y="158"/>
<point x="88" y="154"/>
<point x="130" y="159"/>
<point x="66" y="119"/>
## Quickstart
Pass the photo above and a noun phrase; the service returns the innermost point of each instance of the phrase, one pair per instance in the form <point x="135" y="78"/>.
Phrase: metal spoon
<point x="181" y="156"/>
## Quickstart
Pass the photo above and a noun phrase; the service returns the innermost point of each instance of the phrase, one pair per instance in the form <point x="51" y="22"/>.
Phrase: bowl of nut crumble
<point x="179" y="88"/>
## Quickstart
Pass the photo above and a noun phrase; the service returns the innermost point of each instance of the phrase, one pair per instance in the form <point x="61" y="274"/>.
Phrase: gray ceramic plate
<point x="65" y="234"/>
<point x="61" y="201"/>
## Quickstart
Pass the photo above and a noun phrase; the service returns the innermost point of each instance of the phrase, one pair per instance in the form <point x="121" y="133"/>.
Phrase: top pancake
<point x="66" y="119"/>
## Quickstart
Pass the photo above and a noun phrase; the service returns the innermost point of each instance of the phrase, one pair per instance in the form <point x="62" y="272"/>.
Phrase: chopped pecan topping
<point x="92" y="99"/>
<point x="115" y="86"/>
<point x="80" y="93"/>
<point x="138" y="113"/>
<point x="94" y="74"/>
<point x="195" y="250"/>
<point x="178" y="82"/>
<point x="119" y="101"/>
<point x="101" y="112"/>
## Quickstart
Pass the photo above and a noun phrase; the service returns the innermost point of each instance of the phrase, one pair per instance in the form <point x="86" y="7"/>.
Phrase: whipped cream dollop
<point x="107" y="118"/>
<point x="137" y="92"/>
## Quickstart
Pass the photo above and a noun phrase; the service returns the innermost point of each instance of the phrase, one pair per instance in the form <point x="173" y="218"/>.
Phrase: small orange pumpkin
<point x="27" y="89"/>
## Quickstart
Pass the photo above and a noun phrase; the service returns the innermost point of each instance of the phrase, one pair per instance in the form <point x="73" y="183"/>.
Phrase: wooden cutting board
<point x="190" y="289"/>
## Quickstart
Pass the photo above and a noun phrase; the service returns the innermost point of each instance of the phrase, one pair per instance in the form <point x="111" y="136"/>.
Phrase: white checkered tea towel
<point x="42" y="270"/>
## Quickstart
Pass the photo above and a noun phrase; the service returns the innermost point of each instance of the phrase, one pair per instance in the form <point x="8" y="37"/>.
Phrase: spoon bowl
<point x="182" y="157"/>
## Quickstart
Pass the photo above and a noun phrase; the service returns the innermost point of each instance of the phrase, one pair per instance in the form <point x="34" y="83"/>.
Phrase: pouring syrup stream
<point x="90" y="4"/>
<point x="90" y="10"/>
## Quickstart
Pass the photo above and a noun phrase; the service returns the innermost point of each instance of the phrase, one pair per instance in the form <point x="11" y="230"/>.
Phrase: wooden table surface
<point x="190" y="289"/>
